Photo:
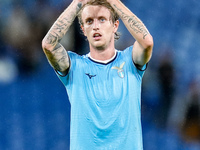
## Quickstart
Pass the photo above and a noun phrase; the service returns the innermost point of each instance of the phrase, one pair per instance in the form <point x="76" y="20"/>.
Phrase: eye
<point x="89" y="21"/>
<point x="102" y="19"/>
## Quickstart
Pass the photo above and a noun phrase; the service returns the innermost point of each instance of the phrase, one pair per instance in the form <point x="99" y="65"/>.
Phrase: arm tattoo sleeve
<point x="61" y="26"/>
<point x="134" y="23"/>
<point x="58" y="30"/>
<point x="58" y="57"/>
<point x="56" y="53"/>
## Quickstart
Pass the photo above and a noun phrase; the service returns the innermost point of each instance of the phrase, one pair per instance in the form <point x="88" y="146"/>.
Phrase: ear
<point x="116" y="25"/>
<point x="82" y="28"/>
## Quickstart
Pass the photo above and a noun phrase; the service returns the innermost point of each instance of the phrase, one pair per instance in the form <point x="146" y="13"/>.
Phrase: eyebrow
<point x="89" y="18"/>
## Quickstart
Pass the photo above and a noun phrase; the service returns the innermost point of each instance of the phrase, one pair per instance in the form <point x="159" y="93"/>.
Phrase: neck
<point x="103" y="53"/>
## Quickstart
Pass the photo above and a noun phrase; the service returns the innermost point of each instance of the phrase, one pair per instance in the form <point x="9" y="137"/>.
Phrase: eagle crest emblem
<point x="120" y="70"/>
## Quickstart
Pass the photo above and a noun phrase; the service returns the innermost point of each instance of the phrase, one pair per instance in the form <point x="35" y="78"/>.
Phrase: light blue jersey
<point x="105" y="103"/>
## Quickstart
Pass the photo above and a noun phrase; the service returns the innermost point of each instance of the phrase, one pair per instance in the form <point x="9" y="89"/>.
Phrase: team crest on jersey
<point x="120" y="70"/>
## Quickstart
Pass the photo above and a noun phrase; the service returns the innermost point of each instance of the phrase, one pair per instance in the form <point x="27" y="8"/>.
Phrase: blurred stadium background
<point x="34" y="108"/>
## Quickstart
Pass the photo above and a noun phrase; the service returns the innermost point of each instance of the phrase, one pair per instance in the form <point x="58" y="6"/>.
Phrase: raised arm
<point x="54" y="51"/>
<point x="142" y="48"/>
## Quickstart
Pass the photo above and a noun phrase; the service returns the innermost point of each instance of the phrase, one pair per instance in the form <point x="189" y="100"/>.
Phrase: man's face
<point x="98" y="26"/>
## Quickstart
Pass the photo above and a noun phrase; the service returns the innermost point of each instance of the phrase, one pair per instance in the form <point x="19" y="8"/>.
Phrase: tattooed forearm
<point x="62" y="24"/>
<point x="58" y="58"/>
<point x="60" y="27"/>
<point x="51" y="39"/>
<point x="78" y="8"/>
<point x="138" y="26"/>
<point x="134" y="23"/>
<point x="55" y="52"/>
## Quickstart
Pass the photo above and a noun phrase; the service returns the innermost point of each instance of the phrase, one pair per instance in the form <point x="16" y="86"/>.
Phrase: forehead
<point x="91" y="11"/>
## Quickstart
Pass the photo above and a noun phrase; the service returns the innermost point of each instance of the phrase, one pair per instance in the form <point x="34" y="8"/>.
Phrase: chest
<point x="104" y="82"/>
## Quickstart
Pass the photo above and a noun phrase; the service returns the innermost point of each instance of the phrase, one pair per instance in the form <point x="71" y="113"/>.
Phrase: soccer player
<point x="104" y="86"/>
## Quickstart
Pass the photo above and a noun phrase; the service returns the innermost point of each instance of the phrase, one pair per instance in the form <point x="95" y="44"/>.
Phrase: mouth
<point x="97" y="36"/>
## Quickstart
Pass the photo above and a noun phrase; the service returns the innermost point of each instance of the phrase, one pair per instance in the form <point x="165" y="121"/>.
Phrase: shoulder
<point x="73" y="55"/>
<point x="76" y="58"/>
<point x="77" y="61"/>
<point x="127" y="50"/>
<point x="126" y="53"/>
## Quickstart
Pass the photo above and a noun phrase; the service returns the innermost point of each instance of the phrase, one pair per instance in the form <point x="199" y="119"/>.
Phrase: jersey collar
<point x="103" y="61"/>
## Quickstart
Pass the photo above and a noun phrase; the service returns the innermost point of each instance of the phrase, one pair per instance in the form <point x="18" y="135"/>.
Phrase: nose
<point x="96" y="25"/>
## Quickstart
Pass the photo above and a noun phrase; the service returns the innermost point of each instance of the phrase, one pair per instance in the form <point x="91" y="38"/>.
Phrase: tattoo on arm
<point x="58" y="57"/>
<point x="134" y="23"/>
<point x="79" y="6"/>
<point x="51" y="39"/>
<point x="137" y="26"/>
<point x="59" y="28"/>
<point x="62" y="25"/>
